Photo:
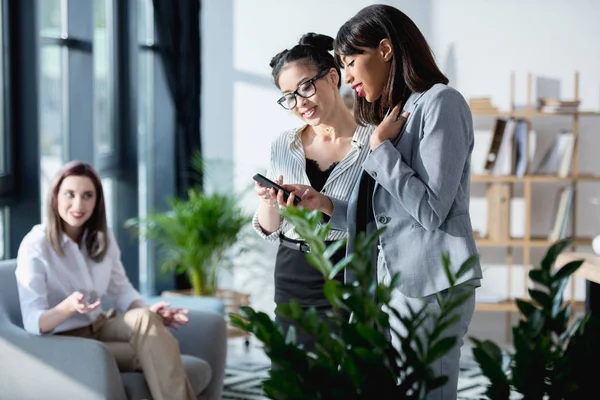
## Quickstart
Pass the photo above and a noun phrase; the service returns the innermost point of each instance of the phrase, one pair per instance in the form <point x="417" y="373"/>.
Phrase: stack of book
<point x="552" y="105"/>
<point x="482" y="105"/>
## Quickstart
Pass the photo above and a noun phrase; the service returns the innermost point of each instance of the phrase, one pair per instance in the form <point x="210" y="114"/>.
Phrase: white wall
<point x="477" y="44"/>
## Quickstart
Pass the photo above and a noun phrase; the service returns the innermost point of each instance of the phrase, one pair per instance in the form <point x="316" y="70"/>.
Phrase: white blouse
<point x="44" y="279"/>
<point x="288" y="159"/>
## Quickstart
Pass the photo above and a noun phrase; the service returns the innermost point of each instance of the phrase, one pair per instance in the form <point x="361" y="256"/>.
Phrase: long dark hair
<point x="312" y="49"/>
<point x="413" y="67"/>
<point x="95" y="227"/>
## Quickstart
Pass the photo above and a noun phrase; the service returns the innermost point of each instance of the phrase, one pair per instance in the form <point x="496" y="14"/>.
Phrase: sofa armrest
<point x="205" y="337"/>
<point x="56" y="367"/>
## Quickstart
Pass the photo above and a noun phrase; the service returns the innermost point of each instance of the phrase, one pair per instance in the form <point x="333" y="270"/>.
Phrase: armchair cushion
<point x="198" y="371"/>
<point x="44" y="367"/>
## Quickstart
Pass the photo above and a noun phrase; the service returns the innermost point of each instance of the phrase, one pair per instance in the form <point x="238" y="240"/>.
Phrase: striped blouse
<point x="288" y="159"/>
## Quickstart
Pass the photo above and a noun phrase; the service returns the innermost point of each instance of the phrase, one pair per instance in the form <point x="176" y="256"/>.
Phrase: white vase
<point x="596" y="245"/>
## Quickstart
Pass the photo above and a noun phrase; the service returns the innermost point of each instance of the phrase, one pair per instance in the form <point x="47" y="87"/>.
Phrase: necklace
<point x="329" y="130"/>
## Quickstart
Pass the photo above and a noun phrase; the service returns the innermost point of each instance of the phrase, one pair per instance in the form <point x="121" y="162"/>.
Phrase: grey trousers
<point x="448" y="365"/>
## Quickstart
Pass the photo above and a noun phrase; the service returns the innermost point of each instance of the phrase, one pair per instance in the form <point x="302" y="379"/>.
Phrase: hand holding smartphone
<point x="270" y="184"/>
<point x="89" y="296"/>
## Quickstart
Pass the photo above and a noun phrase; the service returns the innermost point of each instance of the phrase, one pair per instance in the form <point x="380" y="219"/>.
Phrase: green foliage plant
<point x="553" y="352"/>
<point x="197" y="235"/>
<point x="353" y="357"/>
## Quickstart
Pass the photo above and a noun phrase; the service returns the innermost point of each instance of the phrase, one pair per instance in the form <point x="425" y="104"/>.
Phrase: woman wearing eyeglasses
<point x="416" y="178"/>
<point x="325" y="152"/>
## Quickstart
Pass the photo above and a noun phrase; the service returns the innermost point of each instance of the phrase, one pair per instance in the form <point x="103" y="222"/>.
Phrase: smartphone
<point x="270" y="184"/>
<point x="89" y="296"/>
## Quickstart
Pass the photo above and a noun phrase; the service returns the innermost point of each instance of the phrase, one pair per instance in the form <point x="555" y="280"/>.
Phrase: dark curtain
<point x="178" y="31"/>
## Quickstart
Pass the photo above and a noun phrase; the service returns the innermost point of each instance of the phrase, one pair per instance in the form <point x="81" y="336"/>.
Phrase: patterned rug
<point x="243" y="380"/>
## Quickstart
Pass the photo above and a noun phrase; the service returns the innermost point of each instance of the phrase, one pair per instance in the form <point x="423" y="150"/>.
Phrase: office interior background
<point x="86" y="79"/>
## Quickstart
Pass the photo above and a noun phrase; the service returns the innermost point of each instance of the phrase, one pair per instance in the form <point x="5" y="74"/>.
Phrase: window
<point x="3" y="233"/>
<point x="3" y="136"/>
<point x="145" y="133"/>
<point x="6" y="167"/>
<point x="108" y="187"/>
<point x="72" y="110"/>
<point x="2" y="90"/>
<point x="104" y="137"/>
<point x="156" y="117"/>
<point x="76" y="87"/>
<point x="52" y="95"/>
<point x="51" y="13"/>
<point x="103" y="112"/>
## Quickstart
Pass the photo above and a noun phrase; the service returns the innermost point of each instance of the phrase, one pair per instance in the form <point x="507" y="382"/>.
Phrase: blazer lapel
<point x="409" y="106"/>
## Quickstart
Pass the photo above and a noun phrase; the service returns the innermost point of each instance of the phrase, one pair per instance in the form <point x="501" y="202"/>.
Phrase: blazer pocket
<point x="417" y="225"/>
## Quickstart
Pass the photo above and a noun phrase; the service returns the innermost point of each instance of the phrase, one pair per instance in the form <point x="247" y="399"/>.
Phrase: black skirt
<point x="297" y="279"/>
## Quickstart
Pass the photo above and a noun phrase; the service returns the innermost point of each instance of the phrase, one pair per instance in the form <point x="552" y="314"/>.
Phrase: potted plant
<point x="353" y="358"/>
<point x="552" y="351"/>
<point x="197" y="235"/>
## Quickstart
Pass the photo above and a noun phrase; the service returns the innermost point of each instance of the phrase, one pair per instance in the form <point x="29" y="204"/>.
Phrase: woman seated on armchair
<point x="66" y="265"/>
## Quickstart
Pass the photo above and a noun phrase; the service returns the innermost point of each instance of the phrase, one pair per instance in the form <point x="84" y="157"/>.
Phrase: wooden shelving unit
<point x="528" y="242"/>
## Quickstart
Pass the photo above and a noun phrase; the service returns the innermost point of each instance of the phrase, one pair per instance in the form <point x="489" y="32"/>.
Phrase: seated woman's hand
<point x="268" y="195"/>
<point x="76" y="303"/>
<point x="171" y="316"/>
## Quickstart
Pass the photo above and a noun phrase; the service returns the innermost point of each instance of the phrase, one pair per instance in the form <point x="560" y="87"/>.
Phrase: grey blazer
<point x="421" y="194"/>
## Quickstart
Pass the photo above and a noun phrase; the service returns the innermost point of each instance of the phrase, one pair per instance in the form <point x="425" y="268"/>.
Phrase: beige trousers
<point x="138" y="340"/>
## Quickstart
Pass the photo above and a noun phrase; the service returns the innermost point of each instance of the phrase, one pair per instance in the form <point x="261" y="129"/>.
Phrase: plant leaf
<point x="542" y="298"/>
<point x="440" y="348"/>
<point x="566" y="271"/>
<point x="540" y="275"/>
<point x="468" y="265"/>
<point x="553" y="252"/>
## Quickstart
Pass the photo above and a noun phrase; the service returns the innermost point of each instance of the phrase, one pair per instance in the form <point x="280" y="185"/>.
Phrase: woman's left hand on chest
<point x="389" y="128"/>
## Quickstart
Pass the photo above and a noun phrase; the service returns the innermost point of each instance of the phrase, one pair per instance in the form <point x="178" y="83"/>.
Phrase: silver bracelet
<point x="271" y="205"/>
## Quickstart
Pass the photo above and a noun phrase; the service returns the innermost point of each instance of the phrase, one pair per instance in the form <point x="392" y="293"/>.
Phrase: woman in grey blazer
<point x="416" y="178"/>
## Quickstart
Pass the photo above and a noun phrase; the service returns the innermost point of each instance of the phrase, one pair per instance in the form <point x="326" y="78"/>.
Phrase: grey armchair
<point x="53" y="367"/>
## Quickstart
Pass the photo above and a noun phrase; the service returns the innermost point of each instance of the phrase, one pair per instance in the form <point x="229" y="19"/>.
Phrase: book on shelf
<point x="506" y="157"/>
<point x="553" y="105"/>
<point x="510" y="148"/>
<point x="557" y="158"/>
<point x="522" y="147"/>
<point x="495" y="144"/>
<point x="562" y="211"/>
<point x="482" y="105"/>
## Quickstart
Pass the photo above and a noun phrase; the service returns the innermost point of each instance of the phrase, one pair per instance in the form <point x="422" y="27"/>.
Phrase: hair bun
<point x="277" y="57"/>
<point x="318" y="41"/>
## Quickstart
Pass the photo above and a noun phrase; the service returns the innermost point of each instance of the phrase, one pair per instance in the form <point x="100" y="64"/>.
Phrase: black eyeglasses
<point x="306" y="89"/>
